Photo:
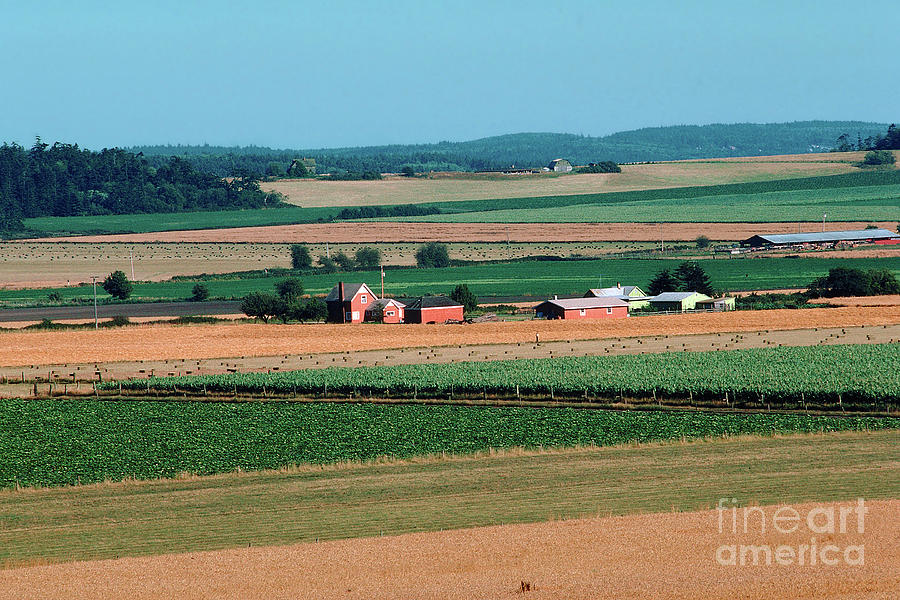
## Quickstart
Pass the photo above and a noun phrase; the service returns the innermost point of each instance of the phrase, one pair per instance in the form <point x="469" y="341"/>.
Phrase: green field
<point x="64" y="442"/>
<point x="524" y="278"/>
<point x="144" y="223"/>
<point x="865" y="377"/>
<point x="863" y="195"/>
<point x="356" y="500"/>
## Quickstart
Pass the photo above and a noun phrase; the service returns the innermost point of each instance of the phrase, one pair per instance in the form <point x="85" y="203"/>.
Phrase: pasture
<point x="352" y="500"/>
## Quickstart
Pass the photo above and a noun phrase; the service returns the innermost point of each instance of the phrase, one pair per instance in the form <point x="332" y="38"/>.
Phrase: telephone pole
<point x="94" y="282"/>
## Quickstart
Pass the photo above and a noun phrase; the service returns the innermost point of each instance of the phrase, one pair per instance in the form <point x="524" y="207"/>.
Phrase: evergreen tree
<point x="117" y="285"/>
<point x="300" y="257"/>
<point x="662" y="282"/>
<point x="463" y="295"/>
<point x="692" y="278"/>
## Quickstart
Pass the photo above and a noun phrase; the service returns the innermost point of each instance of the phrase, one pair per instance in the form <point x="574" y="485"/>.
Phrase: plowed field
<point x="669" y="555"/>
<point x="156" y="342"/>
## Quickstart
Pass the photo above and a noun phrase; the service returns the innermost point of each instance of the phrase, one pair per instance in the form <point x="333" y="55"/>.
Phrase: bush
<point x="343" y="262"/>
<point x="326" y="264"/>
<point x="433" y="255"/>
<point x="200" y="293"/>
<point x="843" y="281"/>
<point x="879" y="157"/>
<point x="55" y="297"/>
<point x="117" y="285"/>
<point x="368" y="258"/>
<point x="702" y="242"/>
<point x="606" y="166"/>
<point x="300" y="257"/>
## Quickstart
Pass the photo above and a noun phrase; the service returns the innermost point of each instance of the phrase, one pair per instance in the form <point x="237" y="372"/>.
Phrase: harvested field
<point x="370" y="232"/>
<point x="156" y="342"/>
<point x="827" y="157"/>
<point x="668" y="555"/>
<point x="893" y="300"/>
<point x="73" y="373"/>
<point x="448" y="187"/>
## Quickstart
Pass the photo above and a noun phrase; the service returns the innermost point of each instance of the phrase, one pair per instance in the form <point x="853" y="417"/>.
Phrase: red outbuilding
<point x="347" y="303"/>
<point x="386" y="310"/>
<point x="433" y="309"/>
<point x="605" y="307"/>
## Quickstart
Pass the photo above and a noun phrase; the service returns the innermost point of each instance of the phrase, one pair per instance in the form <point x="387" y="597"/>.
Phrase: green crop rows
<point x="852" y="375"/>
<point x="64" y="442"/>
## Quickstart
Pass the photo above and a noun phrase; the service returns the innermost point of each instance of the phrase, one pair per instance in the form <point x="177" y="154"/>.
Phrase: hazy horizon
<point x="292" y="75"/>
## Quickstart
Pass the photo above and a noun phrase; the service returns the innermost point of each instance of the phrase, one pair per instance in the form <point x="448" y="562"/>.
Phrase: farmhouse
<point x="348" y="303"/>
<point x="308" y="163"/>
<point x="716" y="304"/>
<point x="433" y="309"/>
<point x="604" y="307"/>
<point x="853" y="236"/>
<point x="678" y="301"/>
<point x="385" y="310"/>
<point x="632" y="294"/>
<point x="559" y="165"/>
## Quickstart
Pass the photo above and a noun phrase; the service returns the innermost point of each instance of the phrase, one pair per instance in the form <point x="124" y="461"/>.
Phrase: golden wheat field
<point x="452" y="187"/>
<point x="162" y="341"/>
<point x="669" y="555"/>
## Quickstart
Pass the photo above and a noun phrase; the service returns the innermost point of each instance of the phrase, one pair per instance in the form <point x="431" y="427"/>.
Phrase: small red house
<point x="385" y="310"/>
<point x="348" y="303"/>
<point x="433" y="309"/>
<point x="605" y="307"/>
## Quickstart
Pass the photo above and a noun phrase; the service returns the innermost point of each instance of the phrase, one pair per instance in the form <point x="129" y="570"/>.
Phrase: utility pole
<point x="823" y="222"/>
<point x="94" y="282"/>
<point x="382" y="281"/>
<point x="131" y="257"/>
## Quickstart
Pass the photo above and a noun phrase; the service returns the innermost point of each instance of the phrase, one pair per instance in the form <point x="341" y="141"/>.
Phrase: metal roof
<point x="579" y="303"/>
<point x="624" y="290"/>
<point x="826" y="236"/>
<point x="383" y="302"/>
<point x="676" y="296"/>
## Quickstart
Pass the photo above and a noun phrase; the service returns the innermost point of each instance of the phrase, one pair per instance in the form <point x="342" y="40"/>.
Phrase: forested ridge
<point x="535" y="149"/>
<point x="65" y="180"/>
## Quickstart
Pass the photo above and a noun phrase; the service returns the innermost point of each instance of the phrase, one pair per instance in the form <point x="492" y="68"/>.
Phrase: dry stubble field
<point x="451" y="187"/>
<point x="668" y="555"/>
<point x="159" y="342"/>
<point x="370" y="232"/>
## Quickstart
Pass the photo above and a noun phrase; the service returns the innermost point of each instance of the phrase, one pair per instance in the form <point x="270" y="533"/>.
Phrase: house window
<point x="582" y="312"/>
<point x="389" y="313"/>
<point x="609" y="310"/>
<point x="364" y="299"/>
<point x="348" y="316"/>
<point x="355" y="315"/>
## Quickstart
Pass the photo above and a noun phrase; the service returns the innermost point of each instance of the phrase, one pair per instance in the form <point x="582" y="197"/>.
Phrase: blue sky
<point x="339" y="73"/>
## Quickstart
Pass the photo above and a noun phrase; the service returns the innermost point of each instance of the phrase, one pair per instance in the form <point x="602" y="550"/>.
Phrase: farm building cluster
<point x="356" y="303"/>
<point x="821" y="239"/>
<point x="619" y="301"/>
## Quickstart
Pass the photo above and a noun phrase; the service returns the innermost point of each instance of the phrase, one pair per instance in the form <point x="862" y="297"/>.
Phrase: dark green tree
<point x="692" y="278"/>
<point x="408" y="171"/>
<point x="200" y="293"/>
<point x="275" y="169"/>
<point x="844" y="281"/>
<point x="261" y="305"/>
<point x="702" y="242"/>
<point x="290" y="289"/>
<point x="463" y="295"/>
<point x="117" y="285"/>
<point x="662" y="282"/>
<point x="312" y="310"/>
<point x="300" y="257"/>
<point x="326" y="264"/>
<point x="879" y="157"/>
<point x="343" y="262"/>
<point x="433" y="255"/>
<point x="368" y="258"/>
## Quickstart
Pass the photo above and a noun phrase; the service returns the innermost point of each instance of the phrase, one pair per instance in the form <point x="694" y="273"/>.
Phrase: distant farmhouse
<point x="854" y="236"/>
<point x="604" y="307"/>
<point x="559" y="165"/>
<point x="308" y="163"/>
<point x="630" y="294"/>
<point x="677" y="301"/>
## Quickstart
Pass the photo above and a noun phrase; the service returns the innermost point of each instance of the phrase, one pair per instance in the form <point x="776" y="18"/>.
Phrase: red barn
<point x="347" y="303"/>
<point x="433" y="309"/>
<point x="386" y="310"/>
<point x="605" y="307"/>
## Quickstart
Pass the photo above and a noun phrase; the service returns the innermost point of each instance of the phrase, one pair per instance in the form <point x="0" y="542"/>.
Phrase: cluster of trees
<point x="844" y="281"/>
<point x="286" y="305"/>
<point x="433" y="255"/>
<point x="64" y="180"/>
<point x="535" y="149"/>
<point x="689" y="276"/>
<point x="888" y="141"/>
<point x="366" y="258"/>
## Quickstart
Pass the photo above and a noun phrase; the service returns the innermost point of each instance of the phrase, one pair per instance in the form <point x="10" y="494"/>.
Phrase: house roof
<point x="711" y="300"/>
<point x="385" y="302"/>
<point x="431" y="302"/>
<point x="350" y="291"/>
<point x="677" y="296"/>
<point x="624" y="290"/>
<point x="579" y="303"/>
<point x="825" y="236"/>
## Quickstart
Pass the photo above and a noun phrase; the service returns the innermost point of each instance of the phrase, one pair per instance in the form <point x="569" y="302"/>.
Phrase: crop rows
<point x="65" y="442"/>
<point x="849" y="374"/>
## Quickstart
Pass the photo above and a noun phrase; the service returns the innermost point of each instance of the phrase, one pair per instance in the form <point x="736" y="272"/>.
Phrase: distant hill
<point x="537" y="149"/>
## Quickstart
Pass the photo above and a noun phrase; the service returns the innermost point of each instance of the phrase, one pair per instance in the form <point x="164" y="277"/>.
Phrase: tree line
<point x="887" y="141"/>
<point x="64" y="180"/>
